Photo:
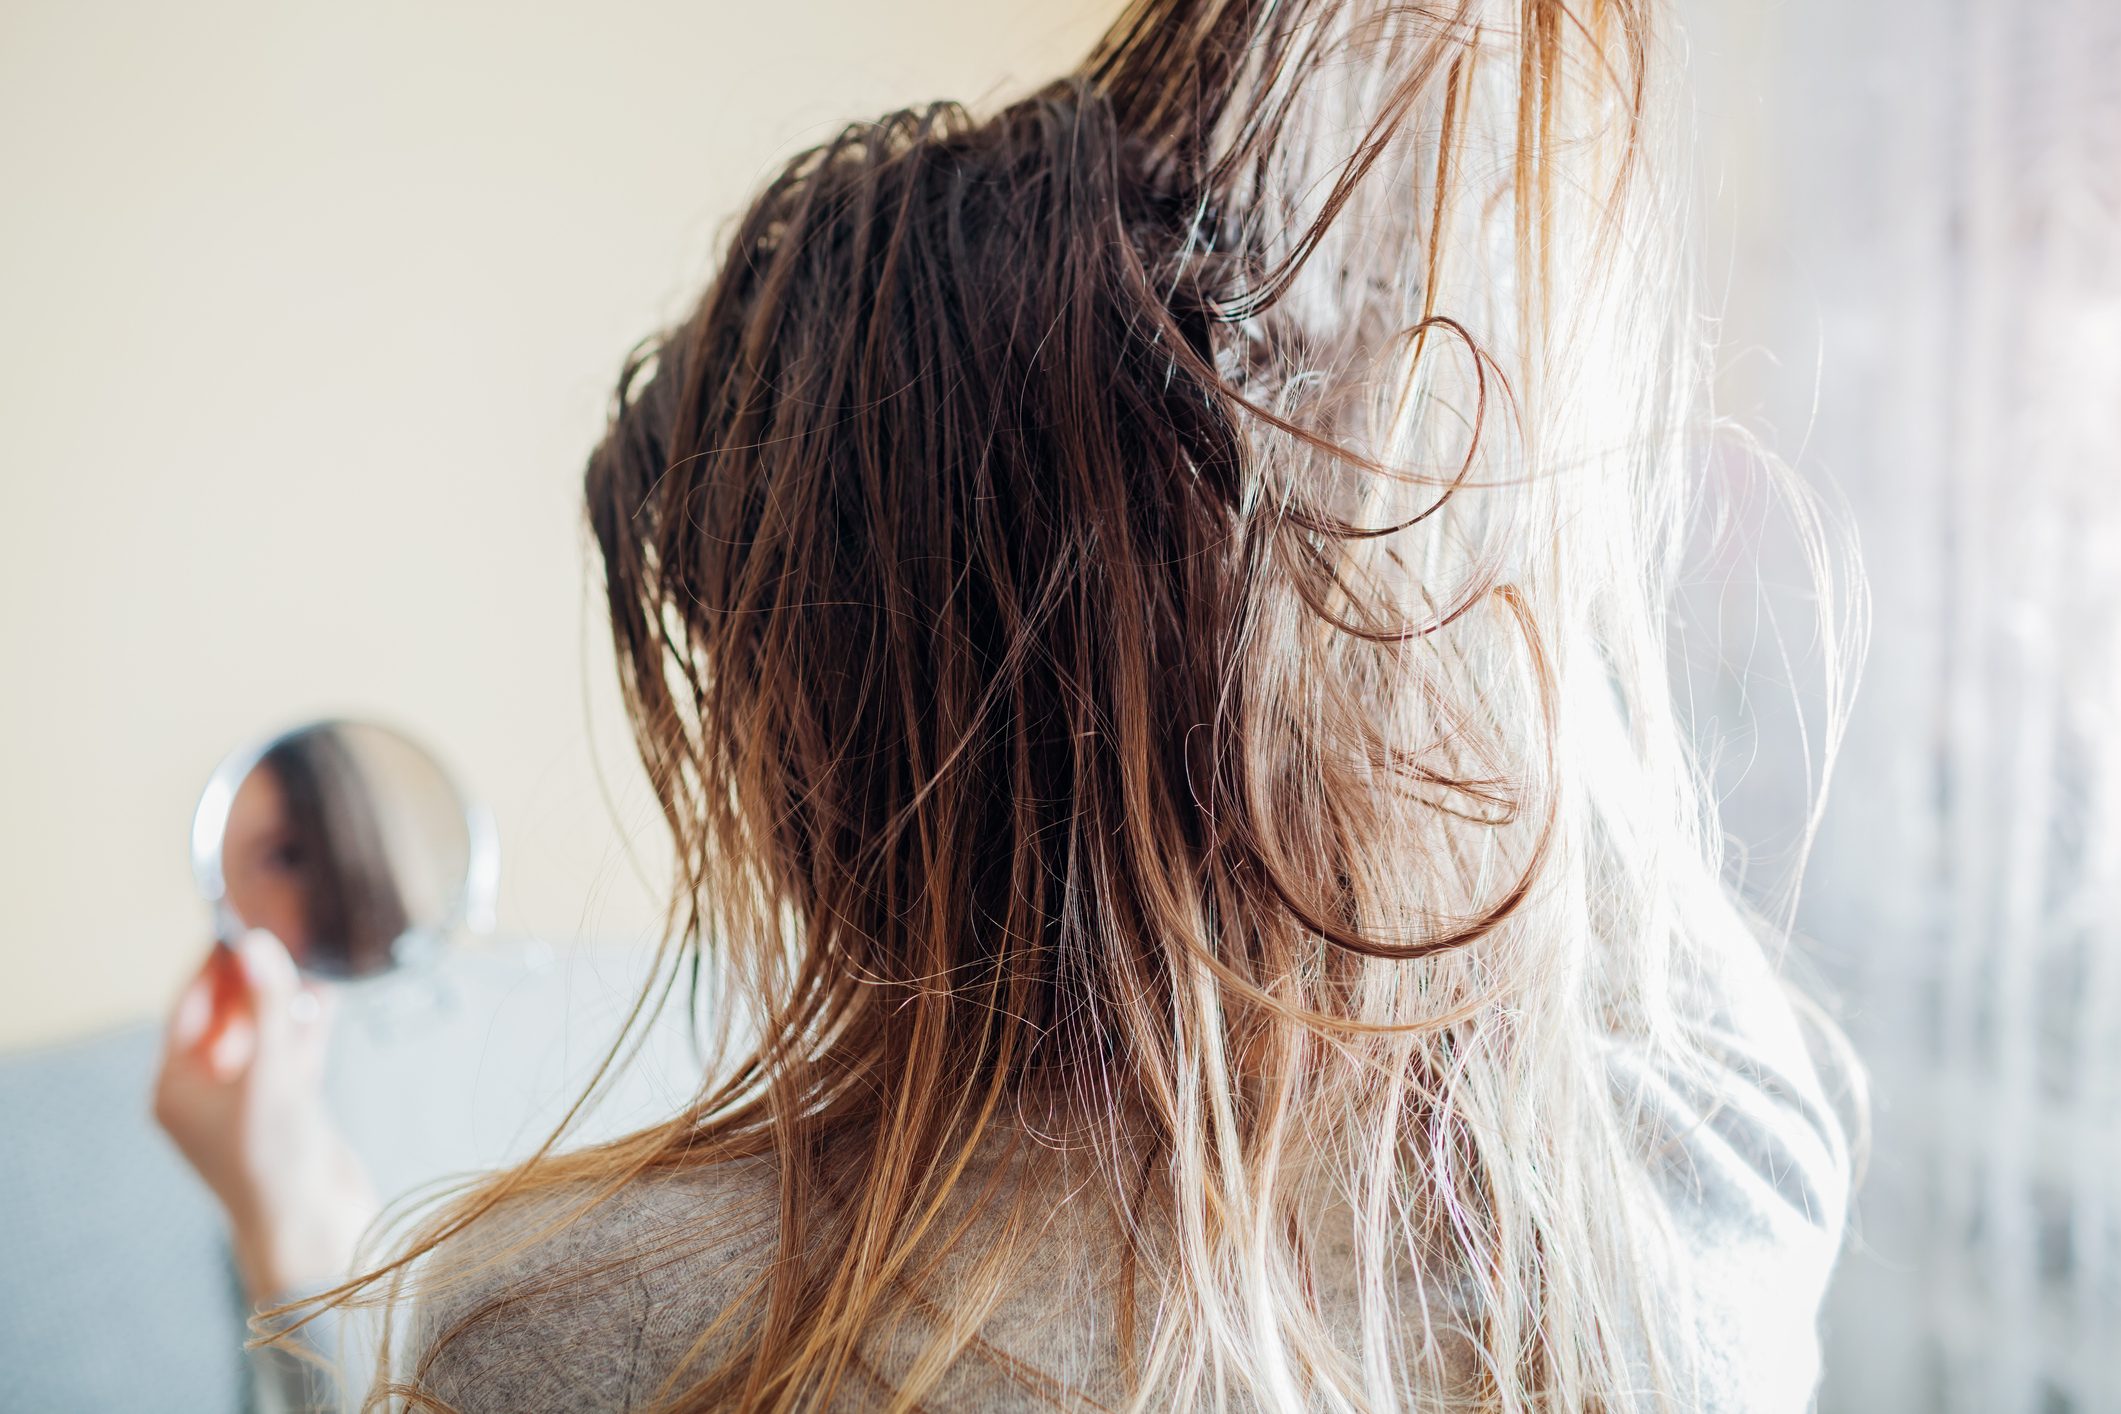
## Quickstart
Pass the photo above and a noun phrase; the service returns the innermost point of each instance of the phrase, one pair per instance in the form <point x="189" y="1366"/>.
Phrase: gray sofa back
<point x="116" y="1291"/>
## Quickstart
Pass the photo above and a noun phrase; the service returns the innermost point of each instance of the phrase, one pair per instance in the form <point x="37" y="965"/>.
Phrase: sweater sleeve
<point x="1750" y="1161"/>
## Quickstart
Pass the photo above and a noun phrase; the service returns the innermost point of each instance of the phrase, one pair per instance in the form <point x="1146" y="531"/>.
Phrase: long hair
<point x="1145" y="614"/>
<point x="353" y="910"/>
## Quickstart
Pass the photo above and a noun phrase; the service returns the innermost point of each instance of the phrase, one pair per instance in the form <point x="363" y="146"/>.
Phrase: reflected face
<point x="346" y="840"/>
<point x="262" y="865"/>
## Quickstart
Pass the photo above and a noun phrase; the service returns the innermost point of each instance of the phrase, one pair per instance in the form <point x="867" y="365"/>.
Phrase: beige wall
<point x="308" y="313"/>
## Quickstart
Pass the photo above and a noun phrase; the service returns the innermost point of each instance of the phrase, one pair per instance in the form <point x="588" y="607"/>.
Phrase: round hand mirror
<point x="349" y="842"/>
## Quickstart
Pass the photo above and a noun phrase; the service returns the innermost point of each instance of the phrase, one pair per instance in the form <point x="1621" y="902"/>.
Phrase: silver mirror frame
<point x="472" y="906"/>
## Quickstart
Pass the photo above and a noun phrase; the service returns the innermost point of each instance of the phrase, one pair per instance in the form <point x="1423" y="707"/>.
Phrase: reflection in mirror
<point x="345" y="839"/>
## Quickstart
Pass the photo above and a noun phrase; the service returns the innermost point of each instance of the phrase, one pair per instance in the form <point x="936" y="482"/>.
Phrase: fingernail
<point x="231" y="1050"/>
<point x="264" y="957"/>
<point x="194" y="1010"/>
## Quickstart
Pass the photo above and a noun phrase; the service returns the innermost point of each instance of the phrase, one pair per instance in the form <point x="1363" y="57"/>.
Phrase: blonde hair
<point x="1146" y="613"/>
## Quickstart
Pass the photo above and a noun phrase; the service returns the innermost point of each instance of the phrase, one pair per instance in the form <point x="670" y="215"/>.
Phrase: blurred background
<point x="312" y="313"/>
<point x="309" y="313"/>
<point x="1913" y="241"/>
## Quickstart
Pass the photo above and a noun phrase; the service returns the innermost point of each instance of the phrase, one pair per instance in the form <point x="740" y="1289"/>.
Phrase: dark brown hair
<point x="353" y="910"/>
<point x="1085" y="705"/>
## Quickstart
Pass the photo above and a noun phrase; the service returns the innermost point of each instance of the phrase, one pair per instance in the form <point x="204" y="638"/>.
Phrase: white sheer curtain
<point x="1916" y="206"/>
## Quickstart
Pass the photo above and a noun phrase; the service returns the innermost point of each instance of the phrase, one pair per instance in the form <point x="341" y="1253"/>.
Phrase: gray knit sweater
<point x="1751" y="1165"/>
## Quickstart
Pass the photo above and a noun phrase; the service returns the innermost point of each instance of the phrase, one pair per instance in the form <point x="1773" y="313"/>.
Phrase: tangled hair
<point x="1145" y="615"/>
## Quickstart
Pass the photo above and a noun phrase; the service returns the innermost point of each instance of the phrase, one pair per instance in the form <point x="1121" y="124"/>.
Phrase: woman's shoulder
<point x="588" y="1297"/>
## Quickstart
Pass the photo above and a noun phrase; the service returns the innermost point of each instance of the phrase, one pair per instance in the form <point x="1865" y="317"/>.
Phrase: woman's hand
<point x="241" y="1093"/>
